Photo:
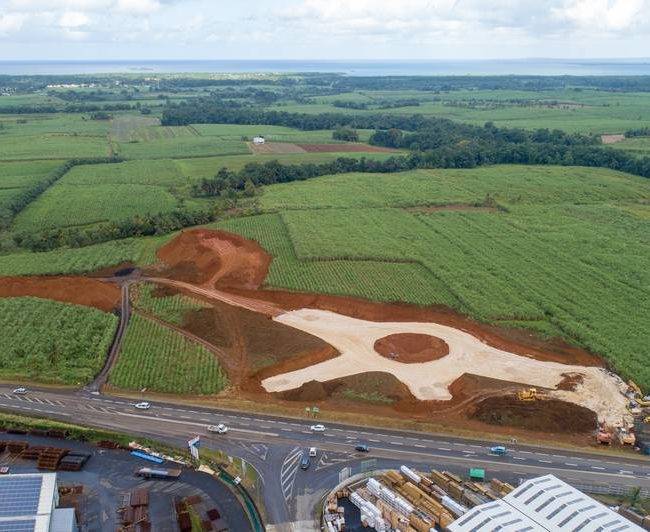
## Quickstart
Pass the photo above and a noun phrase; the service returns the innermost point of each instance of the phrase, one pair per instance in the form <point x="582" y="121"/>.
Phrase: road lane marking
<point x="178" y="421"/>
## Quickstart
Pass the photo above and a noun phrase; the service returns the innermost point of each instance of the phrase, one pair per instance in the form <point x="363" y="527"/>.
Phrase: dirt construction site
<point x="350" y="355"/>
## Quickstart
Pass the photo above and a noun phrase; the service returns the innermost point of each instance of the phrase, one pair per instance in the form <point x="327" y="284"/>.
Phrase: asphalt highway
<point x="274" y="445"/>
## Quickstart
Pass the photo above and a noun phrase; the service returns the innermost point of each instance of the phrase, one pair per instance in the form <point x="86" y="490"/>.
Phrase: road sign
<point x="344" y="474"/>
<point x="194" y="445"/>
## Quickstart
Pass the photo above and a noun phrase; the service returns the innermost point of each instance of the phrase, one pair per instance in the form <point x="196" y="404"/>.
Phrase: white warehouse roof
<point x="27" y="501"/>
<point x="544" y="503"/>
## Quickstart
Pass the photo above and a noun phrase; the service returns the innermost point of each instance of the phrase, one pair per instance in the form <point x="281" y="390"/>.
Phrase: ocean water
<point x="545" y="67"/>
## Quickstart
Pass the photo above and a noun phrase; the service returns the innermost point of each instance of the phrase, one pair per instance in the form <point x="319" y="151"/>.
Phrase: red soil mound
<point x="77" y="290"/>
<point x="215" y="259"/>
<point x="336" y="148"/>
<point x="548" y="415"/>
<point x="412" y="348"/>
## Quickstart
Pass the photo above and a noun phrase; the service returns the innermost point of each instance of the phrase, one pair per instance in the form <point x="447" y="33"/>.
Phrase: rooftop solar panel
<point x="19" y="496"/>
<point x="18" y="525"/>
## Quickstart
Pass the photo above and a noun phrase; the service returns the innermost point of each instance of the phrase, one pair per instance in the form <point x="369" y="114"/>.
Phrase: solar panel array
<point x="18" y="525"/>
<point x="19" y="495"/>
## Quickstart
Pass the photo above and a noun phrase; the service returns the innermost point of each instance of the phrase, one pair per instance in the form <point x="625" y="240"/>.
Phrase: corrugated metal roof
<point x="494" y="516"/>
<point x="549" y="504"/>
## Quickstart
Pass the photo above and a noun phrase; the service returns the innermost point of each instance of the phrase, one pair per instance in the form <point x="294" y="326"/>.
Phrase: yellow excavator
<point x="527" y="395"/>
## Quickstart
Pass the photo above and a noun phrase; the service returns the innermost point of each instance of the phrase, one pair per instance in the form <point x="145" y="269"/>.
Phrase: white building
<point x="28" y="504"/>
<point x="259" y="140"/>
<point x="543" y="504"/>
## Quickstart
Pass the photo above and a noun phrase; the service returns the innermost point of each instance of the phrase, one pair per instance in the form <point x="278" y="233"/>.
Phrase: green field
<point x="162" y="360"/>
<point x="567" y="257"/>
<point x="16" y="177"/>
<point x="183" y="146"/>
<point x="140" y="251"/>
<point x="636" y="145"/>
<point x="51" y="342"/>
<point x="77" y="206"/>
<point x="271" y="133"/>
<point x="169" y="308"/>
<point x="571" y="110"/>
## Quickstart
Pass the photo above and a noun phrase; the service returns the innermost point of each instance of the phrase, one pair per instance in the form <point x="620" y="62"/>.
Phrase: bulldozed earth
<point x="263" y="346"/>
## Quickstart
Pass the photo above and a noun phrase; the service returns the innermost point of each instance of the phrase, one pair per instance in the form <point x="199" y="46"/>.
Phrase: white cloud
<point x="608" y="15"/>
<point x="11" y="22"/>
<point x="138" y="7"/>
<point x="73" y="19"/>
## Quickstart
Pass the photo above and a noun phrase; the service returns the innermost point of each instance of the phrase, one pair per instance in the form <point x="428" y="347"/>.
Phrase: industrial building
<point x="28" y="503"/>
<point x="543" y="504"/>
<point x="411" y="501"/>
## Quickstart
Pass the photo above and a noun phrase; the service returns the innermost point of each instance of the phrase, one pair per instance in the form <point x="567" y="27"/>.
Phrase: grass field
<point x="271" y="133"/>
<point x="636" y="145"/>
<point x="15" y="177"/>
<point x="162" y="360"/>
<point x="182" y="146"/>
<point x="571" y="110"/>
<point x="52" y="342"/>
<point x="568" y="258"/>
<point x="76" y="206"/>
<point x="169" y="308"/>
<point x="140" y="251"/>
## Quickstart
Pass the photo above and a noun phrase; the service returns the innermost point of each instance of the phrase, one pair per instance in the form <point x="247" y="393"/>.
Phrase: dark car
<point x="362" y="448"/>
<point x="305" y="462"/>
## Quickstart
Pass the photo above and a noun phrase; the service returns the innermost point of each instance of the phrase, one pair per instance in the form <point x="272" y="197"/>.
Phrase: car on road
<point x="20" y="391"/>
<point x="305" y="462"/>
<point x="143" y="405"/>
<point x="217" y="429"/>
<point x="318" y="428"/>
<point x="498" y="450"/>
<point x="362" y="448"/>
<point x="313" y="452"/>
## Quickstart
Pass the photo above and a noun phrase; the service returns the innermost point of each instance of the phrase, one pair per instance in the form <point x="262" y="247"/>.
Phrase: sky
<point x="323" y="29"/>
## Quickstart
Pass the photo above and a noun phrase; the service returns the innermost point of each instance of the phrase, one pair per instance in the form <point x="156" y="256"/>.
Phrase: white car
<point x="318" y="428"/>
<point x="218" y="429"/>
<point x="142" y="406"/>
<point x="20" y="391"/>
<point x="313" y="452"/>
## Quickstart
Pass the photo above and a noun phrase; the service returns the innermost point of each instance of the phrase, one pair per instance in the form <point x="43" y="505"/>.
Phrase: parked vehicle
<point x="142" y="405"/>
<point x="498" y="450"/>
<point x="318" y="428"/>
<point x="217" y="429"/>
<point x="148" y="472"/>
<point x="313" y="452"/>
<point x="477" y="474"/>
<point x="20" y="391"/>
<point x="362" y="448"/>
<point x="305" y="462"/>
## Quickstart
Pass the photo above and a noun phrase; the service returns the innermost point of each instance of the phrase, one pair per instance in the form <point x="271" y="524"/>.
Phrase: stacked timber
<point x="50" y="457"/>
<point x="501" y="488"/>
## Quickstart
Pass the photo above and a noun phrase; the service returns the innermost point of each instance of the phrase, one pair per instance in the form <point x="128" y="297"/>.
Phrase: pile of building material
<point x="73" y="461"/>
<point x="134" y="511"/>
<point x="411" y="501"/>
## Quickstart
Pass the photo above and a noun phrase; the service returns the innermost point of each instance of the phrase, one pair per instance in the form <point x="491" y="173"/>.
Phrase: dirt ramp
<point x="547" y="415"/>
<point x="412" y="348"/>
<point x="76" y="290"/>
<point x="215" y="259"/>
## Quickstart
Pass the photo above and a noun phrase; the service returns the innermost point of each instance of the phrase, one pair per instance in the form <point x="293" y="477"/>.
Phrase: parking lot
<point x="109" y="475"/>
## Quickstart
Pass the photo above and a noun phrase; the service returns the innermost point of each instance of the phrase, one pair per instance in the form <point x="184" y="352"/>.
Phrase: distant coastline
<point x="543" y="67"/>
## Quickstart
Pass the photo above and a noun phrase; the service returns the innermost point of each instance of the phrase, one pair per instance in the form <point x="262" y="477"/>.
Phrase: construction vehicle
<point x="527" y="395"/>
<point x="625" y="437"/>
<point x="603" y="437"/>
<point x="635" y="388"/>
